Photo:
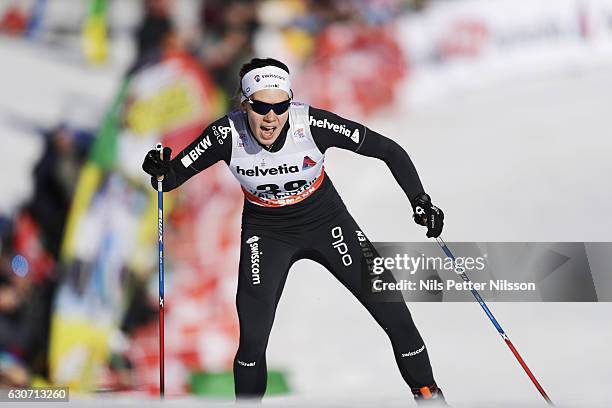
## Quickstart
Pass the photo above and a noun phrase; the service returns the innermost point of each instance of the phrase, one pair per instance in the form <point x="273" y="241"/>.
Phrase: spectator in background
<point x="55" y="178"/>
<point x="13" y="342"/>
<point x="20" y="324"/>
<point x="155" y="32"/>
<point x="29" y="253"/>
<point x="330" y="11"/>
<point x="228" y="27"/>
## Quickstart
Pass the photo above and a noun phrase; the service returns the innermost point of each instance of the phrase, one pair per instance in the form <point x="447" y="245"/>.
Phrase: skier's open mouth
<point x="267" y="131"/>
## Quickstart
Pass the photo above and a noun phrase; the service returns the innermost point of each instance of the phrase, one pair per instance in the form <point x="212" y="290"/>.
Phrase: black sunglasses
<point x="263" y="108"/>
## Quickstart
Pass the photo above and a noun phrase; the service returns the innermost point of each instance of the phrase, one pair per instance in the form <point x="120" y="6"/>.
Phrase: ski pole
<point x="160" y="231"/>
<point x="496" y="323"/>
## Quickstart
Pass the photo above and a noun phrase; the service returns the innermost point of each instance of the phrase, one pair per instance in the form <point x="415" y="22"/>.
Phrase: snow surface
<point x="526" y="161"/>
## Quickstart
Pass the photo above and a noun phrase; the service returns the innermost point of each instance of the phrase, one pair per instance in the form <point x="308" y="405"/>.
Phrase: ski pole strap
<point x="160" y="148"/>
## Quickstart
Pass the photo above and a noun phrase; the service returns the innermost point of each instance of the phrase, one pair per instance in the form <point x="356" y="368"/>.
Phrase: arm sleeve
<point x="331" y="130"/>
<point x="212" y="145"/>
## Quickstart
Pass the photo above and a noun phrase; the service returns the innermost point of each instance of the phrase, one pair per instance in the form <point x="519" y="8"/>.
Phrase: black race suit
<point x="273" y="238"/>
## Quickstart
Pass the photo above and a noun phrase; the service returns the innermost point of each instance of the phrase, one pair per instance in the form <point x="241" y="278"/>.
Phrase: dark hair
<point x="254" y="64"/>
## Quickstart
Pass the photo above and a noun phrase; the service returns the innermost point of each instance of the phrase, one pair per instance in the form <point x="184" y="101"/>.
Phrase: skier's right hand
<point x="155" y="165"/>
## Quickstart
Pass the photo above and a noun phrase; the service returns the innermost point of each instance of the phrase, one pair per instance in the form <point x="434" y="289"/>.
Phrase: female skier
<point x="276" y="148"/>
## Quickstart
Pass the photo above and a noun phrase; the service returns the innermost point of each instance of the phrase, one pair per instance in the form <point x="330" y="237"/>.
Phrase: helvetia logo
<point x="242" y="363"/>
<point x="273" y="171"/>
<point x="325" y="124"/>
<point x="414" y="353"/>
<point x="255" y="255"/>
<point x="196" y="152"/>
<point x="308" y="163"/>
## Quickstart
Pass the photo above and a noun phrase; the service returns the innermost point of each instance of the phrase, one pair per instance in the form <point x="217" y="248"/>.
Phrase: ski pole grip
<point x="160" y="148"/>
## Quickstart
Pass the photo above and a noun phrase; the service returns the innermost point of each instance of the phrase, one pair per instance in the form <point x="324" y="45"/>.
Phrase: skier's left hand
<point x="427" y="214"/>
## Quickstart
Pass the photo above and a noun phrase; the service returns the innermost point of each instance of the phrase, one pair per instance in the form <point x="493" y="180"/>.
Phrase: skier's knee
<point x="252" y="346"/>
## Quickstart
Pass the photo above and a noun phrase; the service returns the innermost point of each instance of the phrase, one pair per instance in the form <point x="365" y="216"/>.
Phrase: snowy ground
<point x="525" y="161"/>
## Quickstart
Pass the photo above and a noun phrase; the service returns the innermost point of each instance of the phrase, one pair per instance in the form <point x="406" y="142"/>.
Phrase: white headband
<point x="268" y="77"/>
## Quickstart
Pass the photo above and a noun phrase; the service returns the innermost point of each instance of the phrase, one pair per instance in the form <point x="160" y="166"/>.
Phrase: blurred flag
<point x="95" y="39"/>
<point x="110" y="232"/>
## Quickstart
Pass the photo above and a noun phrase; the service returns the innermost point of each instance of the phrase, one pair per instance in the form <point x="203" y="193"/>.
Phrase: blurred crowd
<point x="228" y="33"/>
<point x="29" y="254"/>
<point x="224" y="35"/>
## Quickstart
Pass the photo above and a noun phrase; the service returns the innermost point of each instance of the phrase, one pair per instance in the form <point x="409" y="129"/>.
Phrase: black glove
<point x="155" y="165"/>
<point x="425" y="213"/>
